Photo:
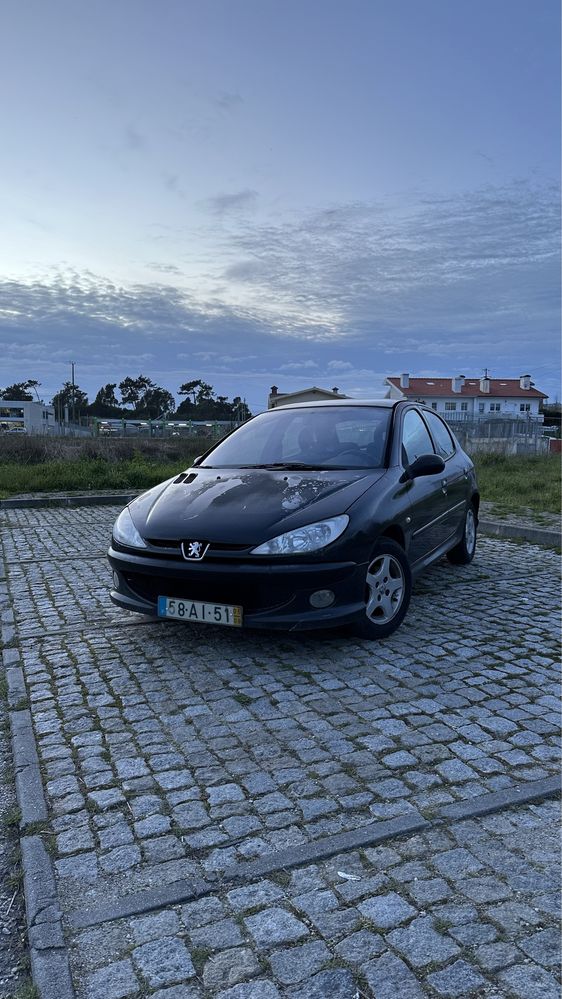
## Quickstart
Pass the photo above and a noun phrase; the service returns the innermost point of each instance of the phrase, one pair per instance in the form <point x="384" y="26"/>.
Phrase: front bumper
<point x="271" y="595"/>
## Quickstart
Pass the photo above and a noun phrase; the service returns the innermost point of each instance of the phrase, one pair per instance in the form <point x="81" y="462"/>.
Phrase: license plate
<point x="194" y="610"/>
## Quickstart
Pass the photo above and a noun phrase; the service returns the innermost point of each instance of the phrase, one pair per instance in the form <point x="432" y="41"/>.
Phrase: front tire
<point x="388" y="588"/>
<point x="463" y="553"/>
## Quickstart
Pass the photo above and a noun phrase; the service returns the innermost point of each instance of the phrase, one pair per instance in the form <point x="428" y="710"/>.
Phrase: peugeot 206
<point x="311" y="515"/>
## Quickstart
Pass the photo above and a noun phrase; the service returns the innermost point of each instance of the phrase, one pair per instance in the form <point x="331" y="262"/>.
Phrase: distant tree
<point x="148" y="400"/>
<point x="240" y="410"/>
<point x="202" y="404"/>
<point x="133" y="389"/>
<point x="156" y="402"/>
<point x="106" y="403"/>
<point x="72" y="396"/>
<point x="19" y="392"/>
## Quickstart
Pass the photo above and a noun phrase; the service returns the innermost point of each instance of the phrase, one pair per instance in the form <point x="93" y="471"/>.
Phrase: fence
<point x="501" y="436"/>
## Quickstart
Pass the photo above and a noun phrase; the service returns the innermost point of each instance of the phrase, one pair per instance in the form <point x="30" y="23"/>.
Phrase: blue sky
<point x="257" y="192"/>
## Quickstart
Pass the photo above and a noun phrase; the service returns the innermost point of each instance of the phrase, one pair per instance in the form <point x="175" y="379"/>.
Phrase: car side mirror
<point x="426" y="464"/>
<point x="196" y="460"/>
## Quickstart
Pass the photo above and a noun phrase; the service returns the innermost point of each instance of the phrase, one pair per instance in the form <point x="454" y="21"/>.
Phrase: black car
<point x="313" y="515"/>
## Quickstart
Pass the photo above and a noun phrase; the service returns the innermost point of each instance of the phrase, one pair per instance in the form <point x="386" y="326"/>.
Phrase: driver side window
<point x="415" y="437"/>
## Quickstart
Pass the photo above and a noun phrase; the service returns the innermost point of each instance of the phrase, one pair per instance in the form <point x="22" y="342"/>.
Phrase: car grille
<point x="251" y="594"/>
<point x="172" y="549"/>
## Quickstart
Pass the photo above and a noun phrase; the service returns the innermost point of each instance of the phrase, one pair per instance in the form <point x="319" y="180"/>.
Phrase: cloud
<point x="339" y="366"/>
<point x="164" y="268"/>
<point x="351" y="292"/>
<point x="238" y="201"/>
<point x="298" y="365"/>
<point x="482" y="260"/>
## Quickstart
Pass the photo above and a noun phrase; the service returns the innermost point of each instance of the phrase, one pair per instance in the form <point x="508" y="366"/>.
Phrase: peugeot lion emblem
<point x="193" y="551"/>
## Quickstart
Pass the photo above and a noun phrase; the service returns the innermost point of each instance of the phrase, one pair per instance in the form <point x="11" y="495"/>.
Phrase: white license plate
<point x="193" y="610"/>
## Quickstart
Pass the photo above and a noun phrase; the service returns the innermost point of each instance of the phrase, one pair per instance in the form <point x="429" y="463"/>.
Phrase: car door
<point x="455" y="477"/>
<point x="426" y="494"/>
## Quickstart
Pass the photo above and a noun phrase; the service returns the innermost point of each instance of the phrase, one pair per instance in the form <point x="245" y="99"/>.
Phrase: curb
<point x="50" y="967"/>
<point x="242" y="873"/>
<point x="80" y="499"/>
<point x="534" y="535"/>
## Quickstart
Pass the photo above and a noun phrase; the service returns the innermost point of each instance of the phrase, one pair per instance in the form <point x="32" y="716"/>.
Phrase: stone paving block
<point x="228" y="968"/>
<point x="495" y="956"/>
<point x="115" y="981"/>
<point x="254" y="895"/>
<point x="275" y="926"/>
<point x="122" y="858"/>
<point x="386" y="911"/>
<point x="161" y="924"/>
<point x="337" y="983"/>
<point x="543" y="947"/>
<point x="458" y="979"/>
<point x="529" y="980"/>
<point x="223" y="933"/>
<point x="295" y="964"/>
<point x="421" y="944"/>
<point x="261" y="989"/>
<point x="471" y="934"/>
<point x="360" y="947"/>
<point x="429" y="890"/>
<point x="165" y="961"/>
<point x="389" y="978"/>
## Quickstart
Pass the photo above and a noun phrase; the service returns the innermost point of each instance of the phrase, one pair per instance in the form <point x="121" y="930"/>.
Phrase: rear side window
<point x="444" y="444"/>
<point x="415" y="438"/>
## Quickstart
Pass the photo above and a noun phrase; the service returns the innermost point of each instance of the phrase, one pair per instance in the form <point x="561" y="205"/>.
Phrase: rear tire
<point x="388" y="588"/>
<point x="463" y="553"/>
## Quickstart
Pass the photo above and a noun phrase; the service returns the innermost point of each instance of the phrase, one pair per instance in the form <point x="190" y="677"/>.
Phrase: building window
<point x="434" y="405"/>
<point x="524" y="407"/>
<point x="480" y="407"/>
<point x="464" y="407"/>
<point x="495" y="407"/>
<point x="450" y="407"/>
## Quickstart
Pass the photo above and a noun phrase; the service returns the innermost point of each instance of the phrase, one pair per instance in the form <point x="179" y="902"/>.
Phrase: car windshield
<point x="315" y="438"/>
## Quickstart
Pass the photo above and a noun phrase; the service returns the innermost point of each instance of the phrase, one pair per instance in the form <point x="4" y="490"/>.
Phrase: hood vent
<point x="185" y="478"/>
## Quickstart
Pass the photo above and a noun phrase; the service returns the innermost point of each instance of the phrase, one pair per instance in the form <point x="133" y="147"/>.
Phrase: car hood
<point x="245" y="506"/>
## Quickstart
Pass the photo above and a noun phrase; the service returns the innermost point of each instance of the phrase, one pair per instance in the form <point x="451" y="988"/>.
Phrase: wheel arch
<point x="395" y="533"/>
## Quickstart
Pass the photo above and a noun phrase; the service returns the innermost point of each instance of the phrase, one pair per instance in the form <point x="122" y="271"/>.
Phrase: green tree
<point x="106" y="403"/>
<point x="72" y="396"/>
<point x="133" y="390"/>
<point x="157" y="402"/>
<point x="19" y="392"/>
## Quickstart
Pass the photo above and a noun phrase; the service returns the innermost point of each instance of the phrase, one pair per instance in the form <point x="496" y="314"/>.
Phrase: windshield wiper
<point x="288" y="466"/>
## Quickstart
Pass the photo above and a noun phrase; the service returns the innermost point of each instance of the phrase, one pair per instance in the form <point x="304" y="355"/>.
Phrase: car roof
<point x="383" y="403"/>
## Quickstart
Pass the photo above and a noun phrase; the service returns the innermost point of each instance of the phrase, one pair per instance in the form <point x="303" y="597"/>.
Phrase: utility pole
<point x="72" y="363"/>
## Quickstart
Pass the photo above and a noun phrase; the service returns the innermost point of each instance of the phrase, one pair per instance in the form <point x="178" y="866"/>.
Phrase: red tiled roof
<point x="438" y="388"/>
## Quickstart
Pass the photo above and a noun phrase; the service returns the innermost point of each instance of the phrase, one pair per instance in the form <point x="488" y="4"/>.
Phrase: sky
<point x="259" y="192"/>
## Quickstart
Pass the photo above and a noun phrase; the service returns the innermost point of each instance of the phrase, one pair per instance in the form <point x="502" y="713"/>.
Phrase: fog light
<point x="116" y="580"/>
<point x="322" y="598"/>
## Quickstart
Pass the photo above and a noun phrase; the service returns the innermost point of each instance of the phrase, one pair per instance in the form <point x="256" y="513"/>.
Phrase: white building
<point x="31" y="417"/>
<point x="312" y="394"/>
<point x="461" y="398"/>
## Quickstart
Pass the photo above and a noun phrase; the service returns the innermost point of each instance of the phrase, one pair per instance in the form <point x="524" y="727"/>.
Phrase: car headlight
<point x="305" y="539"/>
<point x="125" y="532"/>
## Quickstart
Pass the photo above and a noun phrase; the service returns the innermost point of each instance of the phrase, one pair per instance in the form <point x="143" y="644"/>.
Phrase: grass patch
<point x="512" y="483"/>
<point x="518" y="482"/>
<point x="86" y="473"/>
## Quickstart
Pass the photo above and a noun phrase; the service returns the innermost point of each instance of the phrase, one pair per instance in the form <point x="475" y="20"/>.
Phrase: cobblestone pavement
<point x="171" y="753"/>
